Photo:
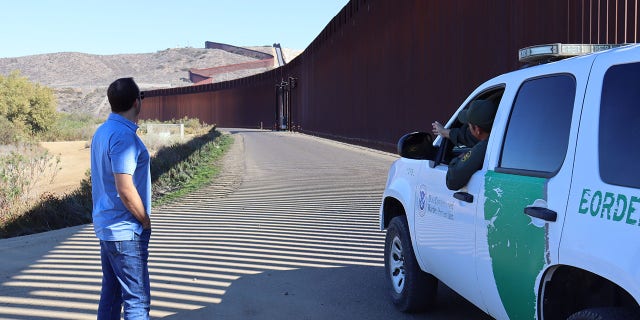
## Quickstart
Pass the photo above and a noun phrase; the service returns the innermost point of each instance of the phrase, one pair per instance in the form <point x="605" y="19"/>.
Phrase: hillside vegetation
<point x="80" y="80"/>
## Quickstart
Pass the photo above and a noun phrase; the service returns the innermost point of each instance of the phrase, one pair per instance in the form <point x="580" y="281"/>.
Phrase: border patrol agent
<point x="479" y="120"/>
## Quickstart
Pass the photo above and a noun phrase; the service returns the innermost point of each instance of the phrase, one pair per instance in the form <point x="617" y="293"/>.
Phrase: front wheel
<point x="411" y="289"/>
<point x="605" y="314"/>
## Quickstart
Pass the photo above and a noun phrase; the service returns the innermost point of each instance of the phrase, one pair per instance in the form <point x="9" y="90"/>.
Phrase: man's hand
<point x="131" y="198"/>
<point x="439" y="129"/>
<point x="146" y="224"/>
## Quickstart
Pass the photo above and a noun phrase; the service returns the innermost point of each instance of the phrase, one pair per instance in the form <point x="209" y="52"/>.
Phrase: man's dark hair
<point x="122" y="93"/>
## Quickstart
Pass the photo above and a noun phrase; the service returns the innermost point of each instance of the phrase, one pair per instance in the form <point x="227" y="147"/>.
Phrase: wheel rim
<point x="396" y="265"/>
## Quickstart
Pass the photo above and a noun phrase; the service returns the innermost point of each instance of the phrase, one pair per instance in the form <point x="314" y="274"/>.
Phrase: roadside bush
<point x="9" y="134"/>
<point x="21" y="170"/>
<point x="179" y="169"/>
<point x="155" y="142"/>
<point x="71" y="127"/>
<point x="191" y="125"/>
<point x="52" y="212"/>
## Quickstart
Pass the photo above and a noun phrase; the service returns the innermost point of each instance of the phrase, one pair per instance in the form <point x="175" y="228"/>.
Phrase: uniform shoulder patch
<point x="466" y="156"/>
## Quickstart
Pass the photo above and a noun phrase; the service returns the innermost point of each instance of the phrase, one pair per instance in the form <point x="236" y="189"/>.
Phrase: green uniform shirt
<point x="462" y="168"/>
<point x="462" y="136"/>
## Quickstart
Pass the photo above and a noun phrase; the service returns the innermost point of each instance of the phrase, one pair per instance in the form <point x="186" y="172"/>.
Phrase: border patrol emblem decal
<point x="422" y="200"/>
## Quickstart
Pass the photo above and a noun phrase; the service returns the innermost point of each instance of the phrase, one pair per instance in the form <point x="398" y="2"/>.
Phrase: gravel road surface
<point x="288" y="231"/>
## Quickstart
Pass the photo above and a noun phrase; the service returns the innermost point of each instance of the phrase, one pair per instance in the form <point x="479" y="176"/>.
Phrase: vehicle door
<point x="445" y="219"/>
<point x="526" y="186"/>
<point x="603" y="210"/>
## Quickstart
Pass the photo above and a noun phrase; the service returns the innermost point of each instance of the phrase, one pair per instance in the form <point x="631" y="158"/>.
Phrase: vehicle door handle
<point x="541" y="213"/>
<point x="463" y="196"/>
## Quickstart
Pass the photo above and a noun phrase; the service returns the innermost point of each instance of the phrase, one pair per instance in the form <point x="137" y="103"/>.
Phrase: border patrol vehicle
<point x="549" y="227"/>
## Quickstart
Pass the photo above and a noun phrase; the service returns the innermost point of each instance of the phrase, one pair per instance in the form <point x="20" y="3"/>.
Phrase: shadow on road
<point x="284" y="245"/>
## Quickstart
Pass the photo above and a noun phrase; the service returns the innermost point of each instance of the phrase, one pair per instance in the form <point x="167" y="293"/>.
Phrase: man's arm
<point x="459" y="136"/>
<point x="131" y="199"/>
<point x="462" y="168"/>
<point x="439" y="129"/>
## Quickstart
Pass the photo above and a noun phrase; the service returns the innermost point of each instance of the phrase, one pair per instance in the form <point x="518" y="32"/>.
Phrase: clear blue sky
<point x="30" y="27"/>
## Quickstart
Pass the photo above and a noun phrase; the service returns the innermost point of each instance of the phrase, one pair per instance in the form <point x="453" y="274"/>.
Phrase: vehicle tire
<point x="411" y="289"/>
<point x="605" y="314"/>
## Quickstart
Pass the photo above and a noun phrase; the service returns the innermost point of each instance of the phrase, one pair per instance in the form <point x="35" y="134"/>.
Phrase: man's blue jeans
<point x="125" y="278"/>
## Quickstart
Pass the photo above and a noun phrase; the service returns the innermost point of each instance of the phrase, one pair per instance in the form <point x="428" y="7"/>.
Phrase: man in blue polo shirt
<point x="121" y="191"/>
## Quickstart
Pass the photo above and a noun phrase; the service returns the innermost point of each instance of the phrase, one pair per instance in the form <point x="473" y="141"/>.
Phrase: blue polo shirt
<point x="116" y="148"/>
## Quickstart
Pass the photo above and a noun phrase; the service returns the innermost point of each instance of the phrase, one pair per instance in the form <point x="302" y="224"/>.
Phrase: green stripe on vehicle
<point x="516" y="246"/>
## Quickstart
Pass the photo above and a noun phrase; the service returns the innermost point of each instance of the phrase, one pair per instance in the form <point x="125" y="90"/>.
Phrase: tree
<point x="27" y="105"/>
<point x="42" y="114"/>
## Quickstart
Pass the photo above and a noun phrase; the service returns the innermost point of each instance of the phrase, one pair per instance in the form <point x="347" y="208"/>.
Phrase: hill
<point x="80" y="80"/>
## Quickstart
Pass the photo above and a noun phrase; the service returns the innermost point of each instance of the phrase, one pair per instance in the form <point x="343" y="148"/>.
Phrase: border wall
<point x="199" y="75"/>
<point x="258" y="55"/>
<point x="382" y="68"/>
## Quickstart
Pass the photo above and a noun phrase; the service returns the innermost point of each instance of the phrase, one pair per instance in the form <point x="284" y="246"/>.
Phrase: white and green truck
<point x="549" y="227"/>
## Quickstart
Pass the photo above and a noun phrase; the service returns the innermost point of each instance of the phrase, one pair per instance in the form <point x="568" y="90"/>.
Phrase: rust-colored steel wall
<point x="242" y="106"/>
<point x="196" y="75"/>
<point x="382" y="68"/>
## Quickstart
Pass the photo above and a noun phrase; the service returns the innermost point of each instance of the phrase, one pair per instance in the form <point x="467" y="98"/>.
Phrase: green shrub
<point x="180" y="169"/>
<point x="23" y="102"/>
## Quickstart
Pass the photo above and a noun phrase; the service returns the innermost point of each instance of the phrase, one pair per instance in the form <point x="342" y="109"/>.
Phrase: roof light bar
<point x="556" y="51"/>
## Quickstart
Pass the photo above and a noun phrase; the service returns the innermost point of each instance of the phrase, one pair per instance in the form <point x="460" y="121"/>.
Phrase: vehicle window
<point x="538" y="130"/>
<point x="494" y="95"/>
<point x="619" y="126"/>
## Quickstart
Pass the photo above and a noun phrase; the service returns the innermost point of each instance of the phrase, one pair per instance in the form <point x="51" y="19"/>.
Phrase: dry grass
<point x="22" y="171"/>
<point x="175" y="171"/>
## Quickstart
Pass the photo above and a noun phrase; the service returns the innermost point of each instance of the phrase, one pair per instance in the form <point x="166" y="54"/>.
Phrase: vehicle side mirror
<point x="417" y="145"/>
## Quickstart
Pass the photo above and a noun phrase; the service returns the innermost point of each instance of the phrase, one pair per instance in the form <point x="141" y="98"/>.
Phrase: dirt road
<point x="75" y="157"/>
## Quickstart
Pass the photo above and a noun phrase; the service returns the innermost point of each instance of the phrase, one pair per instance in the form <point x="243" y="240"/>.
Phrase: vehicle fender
<point x="402" y="176"/>
<point x="627" y="279"/>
